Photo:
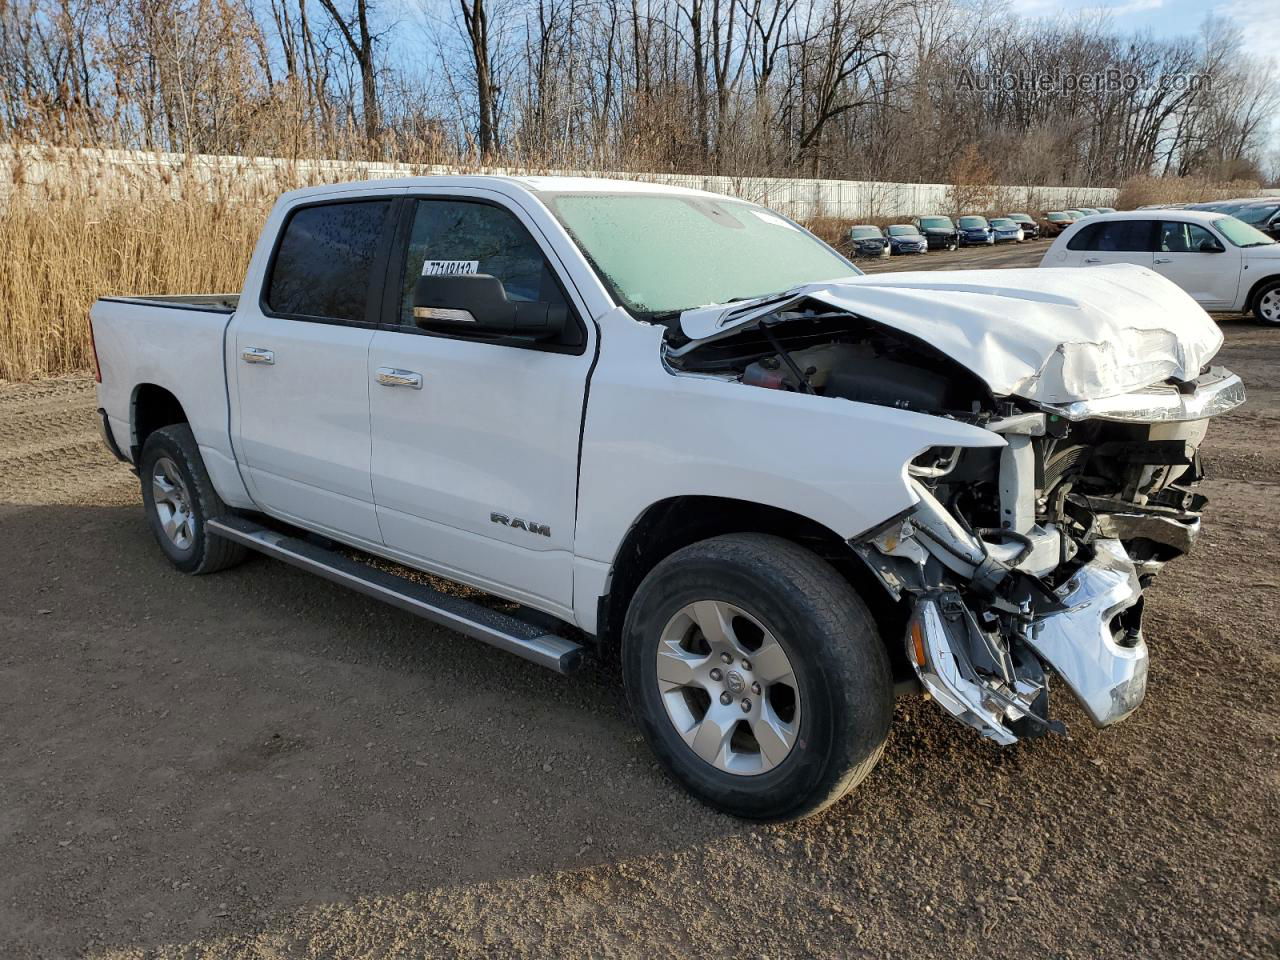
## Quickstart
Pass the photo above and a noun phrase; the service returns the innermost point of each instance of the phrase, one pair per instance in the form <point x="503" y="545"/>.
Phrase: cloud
<point x="1259" y="23"/>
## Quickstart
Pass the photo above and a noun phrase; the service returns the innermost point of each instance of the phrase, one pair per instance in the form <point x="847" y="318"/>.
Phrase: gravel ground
<point x="259" y="764"/>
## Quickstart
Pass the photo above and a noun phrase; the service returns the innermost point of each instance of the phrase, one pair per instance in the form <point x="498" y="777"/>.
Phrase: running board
<point x="493" y="627"/>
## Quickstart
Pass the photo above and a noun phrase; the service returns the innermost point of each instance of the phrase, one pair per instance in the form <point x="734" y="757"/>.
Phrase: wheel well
<point x="1256" y="289"/>
<point x="153" y="407"/>
<point x="671" y="524"/>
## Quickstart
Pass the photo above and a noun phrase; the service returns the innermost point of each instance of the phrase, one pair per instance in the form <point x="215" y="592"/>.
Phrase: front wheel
<point x="1266" y="305"/>
<point x="757" y="675"/>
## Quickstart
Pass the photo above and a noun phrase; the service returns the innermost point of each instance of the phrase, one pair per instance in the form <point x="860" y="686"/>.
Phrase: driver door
<point x="1210" y="277"/>
<point x="475" y="443"/>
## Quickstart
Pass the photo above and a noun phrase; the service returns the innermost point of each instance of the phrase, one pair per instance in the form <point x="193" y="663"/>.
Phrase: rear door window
<point x="1114" y="236"/>
<point x="323" y="266"/>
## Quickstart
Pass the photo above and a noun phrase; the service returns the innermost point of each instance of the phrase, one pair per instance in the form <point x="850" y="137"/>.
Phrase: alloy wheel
<point x="172" y="503"/>
<point x="728" y="687"/>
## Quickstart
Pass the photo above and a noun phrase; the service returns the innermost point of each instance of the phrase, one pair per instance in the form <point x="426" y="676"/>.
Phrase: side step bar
<point x="491" y="626"/>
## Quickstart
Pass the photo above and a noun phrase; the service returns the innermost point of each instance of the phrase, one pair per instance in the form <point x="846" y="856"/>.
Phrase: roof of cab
<point x="504" y="184"/>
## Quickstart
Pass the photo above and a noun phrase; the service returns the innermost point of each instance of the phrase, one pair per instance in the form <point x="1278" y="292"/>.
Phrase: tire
<point x="176" y="487"/>
<point x="1266" y="304"/>
<point x="825" y="721"/>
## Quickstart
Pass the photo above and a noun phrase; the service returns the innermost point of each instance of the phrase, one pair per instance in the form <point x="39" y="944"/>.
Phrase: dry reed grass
<point x="66" y="242"/>
<point x="59" y="255"/>
<point x="1144" y="191"/>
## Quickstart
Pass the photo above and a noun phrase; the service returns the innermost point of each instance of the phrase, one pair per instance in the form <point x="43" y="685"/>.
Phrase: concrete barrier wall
<point x="126" y="173"/>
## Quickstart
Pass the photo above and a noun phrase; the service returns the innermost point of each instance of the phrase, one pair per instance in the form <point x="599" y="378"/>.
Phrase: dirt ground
<point x="260" y="764"/>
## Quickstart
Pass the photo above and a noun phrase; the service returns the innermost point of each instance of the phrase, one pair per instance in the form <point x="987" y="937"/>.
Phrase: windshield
<point x="1020" y="218"/>
<point x="1241" y="234"/>
<point x="663" y="253"/>
<point x="903" y="230"/>
<point x="1256" y="214"/>
<point x="865" y="233"/>
<point x="972" y="223"/>
<point x="1057" y="217"/>
<point x="943" y="223"/>
<point x="1003" y="223"/>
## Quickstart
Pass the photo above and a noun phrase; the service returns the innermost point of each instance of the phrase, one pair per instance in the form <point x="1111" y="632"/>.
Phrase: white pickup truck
<point x="679" y="429"/>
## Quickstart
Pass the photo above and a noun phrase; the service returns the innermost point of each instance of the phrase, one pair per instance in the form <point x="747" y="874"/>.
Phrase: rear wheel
<point x="1266" y="305"/>
<point x="757" y="676"/>
<point x="180" y="500"/>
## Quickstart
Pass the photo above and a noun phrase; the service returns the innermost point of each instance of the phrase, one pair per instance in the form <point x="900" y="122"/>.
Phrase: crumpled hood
<point x="1053" y="335"/>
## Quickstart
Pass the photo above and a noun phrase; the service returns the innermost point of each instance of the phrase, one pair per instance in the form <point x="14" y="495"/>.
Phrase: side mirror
<point x="477" y="303"/>
<point x="1210" y="246"/>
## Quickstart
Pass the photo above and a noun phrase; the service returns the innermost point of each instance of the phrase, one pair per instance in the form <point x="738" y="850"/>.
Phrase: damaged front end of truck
<point x="1029" y="558"/>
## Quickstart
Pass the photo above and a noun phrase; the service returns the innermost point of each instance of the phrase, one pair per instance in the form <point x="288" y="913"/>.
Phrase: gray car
<point x="866" y="240"/>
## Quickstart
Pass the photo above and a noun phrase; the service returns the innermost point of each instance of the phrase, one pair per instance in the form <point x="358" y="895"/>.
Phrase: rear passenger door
<point x="1112" y="241"/>
<point x="300" y="363"/>
<point x="475" y="439"/>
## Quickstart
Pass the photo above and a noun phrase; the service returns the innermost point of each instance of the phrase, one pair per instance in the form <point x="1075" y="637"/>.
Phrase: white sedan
<point x="1223" y="263"/>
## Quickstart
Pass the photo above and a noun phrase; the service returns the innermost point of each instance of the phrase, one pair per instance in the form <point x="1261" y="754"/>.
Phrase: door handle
<point x="257" y="355"/>
<point x="1092" y="259"/>
<point x="391" y="377"/>
<point x="1164" y="259"/>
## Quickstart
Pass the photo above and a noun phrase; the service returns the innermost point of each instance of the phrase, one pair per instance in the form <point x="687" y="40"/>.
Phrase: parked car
<point x="975" y="231"/>
<point x="445" y="373"/>
<point x="1222" y="263"/>
<point x="939" y="231"/>
<point x="1263" y="214"/>
<point x="1106" y="209"/>
<point x="1030" y="229"/>
<point x="905" y="238"/>
<point x="1086" y="212"/>
<point x="1059" y="220"/>
<point x="867" y="240"/>
<point x="1005" y="230"/>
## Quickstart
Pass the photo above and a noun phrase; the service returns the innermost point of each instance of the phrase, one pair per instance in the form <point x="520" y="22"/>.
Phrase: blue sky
<point x="1259" y="20"/>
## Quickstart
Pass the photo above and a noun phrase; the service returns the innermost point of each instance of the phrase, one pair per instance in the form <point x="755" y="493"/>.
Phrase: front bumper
<point x="1094" y="644"/>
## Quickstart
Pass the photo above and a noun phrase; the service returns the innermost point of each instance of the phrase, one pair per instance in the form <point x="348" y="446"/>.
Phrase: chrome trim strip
<point x="1160" y="404"/>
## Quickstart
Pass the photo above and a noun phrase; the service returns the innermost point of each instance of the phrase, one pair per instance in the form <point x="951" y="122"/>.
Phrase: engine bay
<point x="1019" y="560"/>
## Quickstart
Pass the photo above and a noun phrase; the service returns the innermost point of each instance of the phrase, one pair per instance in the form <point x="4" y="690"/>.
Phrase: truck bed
<point x="210" y="302"/>
<point x="174" y="345"/>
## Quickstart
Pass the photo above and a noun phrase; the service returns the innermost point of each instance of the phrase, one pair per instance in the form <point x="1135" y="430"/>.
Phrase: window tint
<point x="491" y="236"/>
<point x="1184" y="237"/>
<point x="323" y="263"/>
<point x="1114" y="236"/>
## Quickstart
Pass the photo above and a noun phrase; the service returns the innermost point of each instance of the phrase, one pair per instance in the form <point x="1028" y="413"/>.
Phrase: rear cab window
<point x="324" y="262"/>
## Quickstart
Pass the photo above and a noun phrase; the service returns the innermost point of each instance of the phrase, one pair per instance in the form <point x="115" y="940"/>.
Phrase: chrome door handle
<point x="1092" y="259"/>
<point x="391" y="377"/>
<point x="1164" y="259"/>
<point x="257" y="355"/>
